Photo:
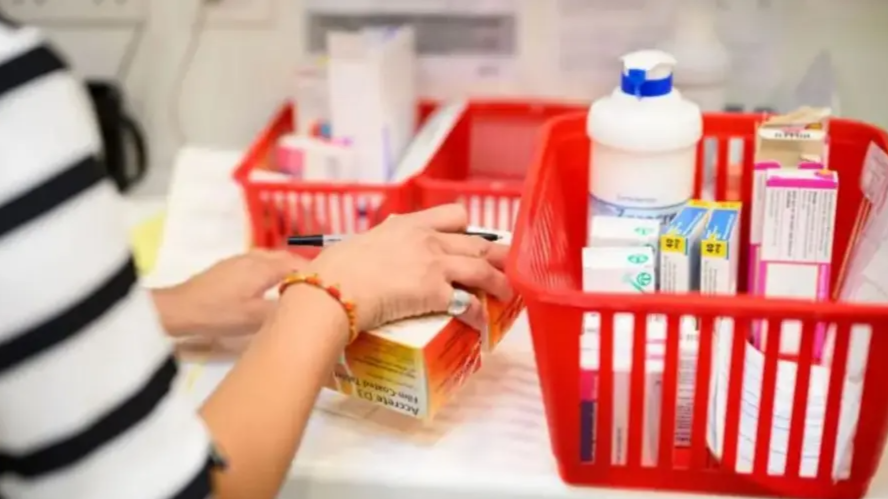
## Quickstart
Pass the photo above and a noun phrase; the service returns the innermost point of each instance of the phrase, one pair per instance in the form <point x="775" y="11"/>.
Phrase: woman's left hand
<point x="228" y="299"/>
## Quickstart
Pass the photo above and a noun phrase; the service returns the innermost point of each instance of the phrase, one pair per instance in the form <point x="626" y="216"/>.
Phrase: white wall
<point x="216" y="80"/>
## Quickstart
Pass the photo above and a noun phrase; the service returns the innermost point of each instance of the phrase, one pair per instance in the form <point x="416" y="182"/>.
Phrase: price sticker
<point x="715" y="249"/>
<point x="672" y="244"/>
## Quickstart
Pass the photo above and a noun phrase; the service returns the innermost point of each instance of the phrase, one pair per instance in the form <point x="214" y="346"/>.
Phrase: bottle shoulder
<point x="659" y="124"/>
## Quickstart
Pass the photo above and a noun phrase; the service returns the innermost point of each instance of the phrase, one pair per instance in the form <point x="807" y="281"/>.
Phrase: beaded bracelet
<point x="333" y="291"/>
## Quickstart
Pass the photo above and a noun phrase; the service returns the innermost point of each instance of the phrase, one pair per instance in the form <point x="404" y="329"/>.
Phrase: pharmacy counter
<point x="491" y="442"/>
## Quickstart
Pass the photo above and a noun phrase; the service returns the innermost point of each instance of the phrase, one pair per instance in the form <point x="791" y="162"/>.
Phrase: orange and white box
<point x="415" y="366"/>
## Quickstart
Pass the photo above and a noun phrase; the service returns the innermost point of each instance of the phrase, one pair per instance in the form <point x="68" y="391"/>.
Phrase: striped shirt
<point x="89" y="405"/>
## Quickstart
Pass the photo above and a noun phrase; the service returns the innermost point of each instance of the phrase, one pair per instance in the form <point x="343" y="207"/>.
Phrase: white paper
<point x="461" y="43"/>
<point x="866" y="280"/>
<point x="750" y="402"/>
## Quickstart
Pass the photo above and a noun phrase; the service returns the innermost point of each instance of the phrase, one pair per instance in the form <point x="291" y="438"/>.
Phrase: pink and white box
<point x="798" y="226"/>
<point x="759" y="177"/>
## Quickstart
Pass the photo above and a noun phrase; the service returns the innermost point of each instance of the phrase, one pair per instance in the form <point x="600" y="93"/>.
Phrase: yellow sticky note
<point x="145" y="239"/>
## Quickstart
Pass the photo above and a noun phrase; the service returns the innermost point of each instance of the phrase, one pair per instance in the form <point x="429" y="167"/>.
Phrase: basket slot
<point x="766" y="403"/>
<point x="722" y="168"/>
<point x="604" y="412"/>
<point x="637" y="396"/>
<point x="735" y="387"/>
<point x="833" y="404"/>
<point x="699" y="451"/>
<point x="702" y="169"/>
<point x="666" y="445"/>
<point x="872" y="425"/>
<point x="799" y="404"/>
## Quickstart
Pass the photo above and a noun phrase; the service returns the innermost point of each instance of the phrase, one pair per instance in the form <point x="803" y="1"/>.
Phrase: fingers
<point x="474" y="316"/>
<point x="475" y="247"/>
<point x="282" y="260"/>
<point x="444" y="218"/>
<point x="476" y="273"/>
<point x="277" y="264"/>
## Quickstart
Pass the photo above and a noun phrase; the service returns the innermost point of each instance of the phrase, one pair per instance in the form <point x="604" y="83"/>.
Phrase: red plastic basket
<point x="545" y="267"/>
<point x="487" y="156"/>
<point x="277" y="210"/>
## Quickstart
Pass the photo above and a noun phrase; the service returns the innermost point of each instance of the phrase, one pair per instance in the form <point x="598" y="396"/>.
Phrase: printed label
<point x="641" y="282"/>
<point x="638" y="258"/>
<point x="874" y="178"/>
<point x="672" y="244"/>
<point x="717" y="249"/>
<point x="664" y="214"/>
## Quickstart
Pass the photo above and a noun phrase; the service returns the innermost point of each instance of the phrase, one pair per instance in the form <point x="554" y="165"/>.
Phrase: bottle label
<point x="662" y="213"/>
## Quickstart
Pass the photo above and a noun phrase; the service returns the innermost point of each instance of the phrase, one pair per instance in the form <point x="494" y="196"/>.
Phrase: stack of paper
<point x="750" y="401"/>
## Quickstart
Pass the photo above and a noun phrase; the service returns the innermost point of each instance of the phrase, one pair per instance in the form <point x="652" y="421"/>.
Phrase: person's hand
<point x="408" y="266"/>
<point x="228" y="298"/>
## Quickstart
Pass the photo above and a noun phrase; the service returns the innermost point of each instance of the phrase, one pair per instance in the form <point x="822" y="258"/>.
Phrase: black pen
<point x="320" y="240"/>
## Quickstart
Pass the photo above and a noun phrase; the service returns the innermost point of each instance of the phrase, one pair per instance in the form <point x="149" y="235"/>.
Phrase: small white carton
<point x="371" y="77"/>
<point x="797" y="239"/>
<point x="653" y="391"/>
<point x="680" y="248"/>
<point x="619" y="270"/>
<point x="607" y="231"/>
<point x="720" y="250"/>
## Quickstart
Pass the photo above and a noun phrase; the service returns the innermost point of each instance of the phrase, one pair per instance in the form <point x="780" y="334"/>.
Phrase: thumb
<point x="278" y="265"/>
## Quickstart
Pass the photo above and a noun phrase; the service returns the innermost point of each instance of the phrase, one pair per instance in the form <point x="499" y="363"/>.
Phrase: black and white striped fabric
<point x="88" y="400"/>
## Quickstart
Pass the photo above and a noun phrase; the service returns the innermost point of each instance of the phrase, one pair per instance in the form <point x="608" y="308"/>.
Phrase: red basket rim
<point x="741" y="305"/>
<point x="471" y="186"/>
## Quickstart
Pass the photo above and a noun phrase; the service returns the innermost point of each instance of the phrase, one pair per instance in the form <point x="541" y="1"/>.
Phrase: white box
<point x="719" y="251"/>
<point x="606" y="231"/>
<point x="797" y="240"/>
<point x="680" y="248"/>
<point x="372" y="88"/>
<point x="795" y="140"/>
<point x="619" y="270"/>
<point x="653" y="390"/>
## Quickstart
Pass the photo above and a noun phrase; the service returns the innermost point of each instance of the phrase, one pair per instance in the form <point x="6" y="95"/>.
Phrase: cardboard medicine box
<point x="415" y="366"/>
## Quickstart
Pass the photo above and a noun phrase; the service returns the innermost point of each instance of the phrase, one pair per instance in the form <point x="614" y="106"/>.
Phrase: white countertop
<point x="491" y="442"/>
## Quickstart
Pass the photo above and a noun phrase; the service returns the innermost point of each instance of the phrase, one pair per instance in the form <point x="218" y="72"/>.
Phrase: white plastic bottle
<point x="644" y="142"/>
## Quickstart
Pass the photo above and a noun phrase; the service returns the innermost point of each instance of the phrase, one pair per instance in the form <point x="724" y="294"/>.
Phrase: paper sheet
<point x="750" y="402"/>
<point x="461" y="43"/>
<point x="866" y="281"/>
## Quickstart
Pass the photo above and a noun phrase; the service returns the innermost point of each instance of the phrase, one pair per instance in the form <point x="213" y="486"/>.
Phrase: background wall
<point x="212" y="71"/>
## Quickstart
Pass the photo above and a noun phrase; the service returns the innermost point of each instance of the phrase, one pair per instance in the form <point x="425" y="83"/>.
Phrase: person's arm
<point x="90" y="405"/>
<point x="260" y="410"/>
<point x="87" y="404"/>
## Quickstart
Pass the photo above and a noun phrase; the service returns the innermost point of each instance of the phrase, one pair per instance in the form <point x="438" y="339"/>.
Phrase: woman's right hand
<point x="409" y="264"/>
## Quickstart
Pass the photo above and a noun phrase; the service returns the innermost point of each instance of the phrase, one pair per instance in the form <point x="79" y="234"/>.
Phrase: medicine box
<point x="680" y="248"/>
<point x="797" y="240"/>
<point x="371" y="77"/>
<point x="415" y="366"/>
<point x="798" y="139"/>
<point x="608" y="231"/>
<point x="619" y="270"/>
<point x="500" y="315"/>
<point x="653" y="390"/>
<point x="719" y="251"/>
<point x="412" y="366"/>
